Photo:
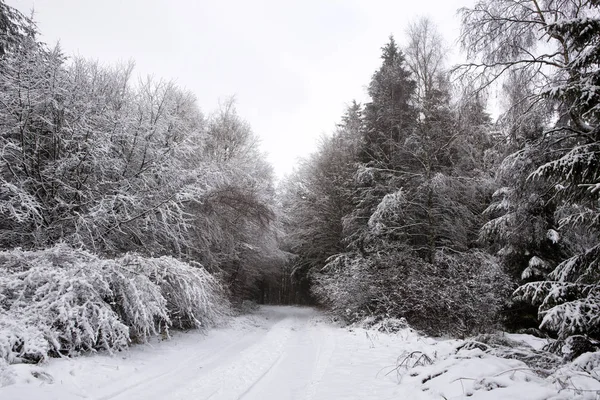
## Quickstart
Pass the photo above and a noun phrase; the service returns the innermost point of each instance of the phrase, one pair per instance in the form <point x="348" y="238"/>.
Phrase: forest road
<point x="284" y="357"/>
<point x="288" y="353"/>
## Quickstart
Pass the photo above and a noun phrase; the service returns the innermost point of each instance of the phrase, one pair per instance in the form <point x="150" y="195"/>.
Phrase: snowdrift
<point x="62" y="301"/>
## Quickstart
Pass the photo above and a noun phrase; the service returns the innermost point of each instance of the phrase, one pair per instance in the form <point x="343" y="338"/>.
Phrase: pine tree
<point x="388" y="120"/>
<point x="503" y="35"/>
<point x="389" y="114"/>
<point x="14" y="28"/>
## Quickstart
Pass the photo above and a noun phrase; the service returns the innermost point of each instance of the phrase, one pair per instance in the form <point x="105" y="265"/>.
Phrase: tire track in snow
<point x="241" y="396"/>
<point x="183" y="368"/>
<point x="326" y="348"/>
<point x="295" y="350"/>
<point x="301" y="366"/>
<point x="233" y="380"/>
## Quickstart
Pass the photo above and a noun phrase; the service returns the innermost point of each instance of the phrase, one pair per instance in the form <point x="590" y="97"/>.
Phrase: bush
<point x="459" y="294"/>
<point x="62" y="301"/>
<point x="194" y="298"/>
<point x="247" y="307"/>
<point x="344" y="287"/>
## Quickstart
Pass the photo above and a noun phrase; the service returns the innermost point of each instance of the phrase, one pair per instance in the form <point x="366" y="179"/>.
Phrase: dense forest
<point x="421" y="206"/>
<point x="125" y="211"/>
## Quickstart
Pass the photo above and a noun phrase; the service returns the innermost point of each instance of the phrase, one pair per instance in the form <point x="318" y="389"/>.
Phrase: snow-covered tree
<point x="14" y="27"/>
<point x="412" y="206"/>
<point x="556" y="45"/>
<point x="90" y="159"/>
<point x="318" y="196"/>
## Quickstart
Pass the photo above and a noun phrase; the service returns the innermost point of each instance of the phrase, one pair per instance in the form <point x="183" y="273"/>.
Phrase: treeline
<point x="420" y="206"/>
<point x="97" y="168"/>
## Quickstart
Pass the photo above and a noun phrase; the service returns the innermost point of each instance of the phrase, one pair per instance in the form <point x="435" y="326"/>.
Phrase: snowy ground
<point x="290" y="353"/>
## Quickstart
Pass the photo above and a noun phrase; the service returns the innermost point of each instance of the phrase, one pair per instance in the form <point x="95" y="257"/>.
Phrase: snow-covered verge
<point x="295" y="353"/>
<point x="62" y="302"/>
<point x="488" y="366"/>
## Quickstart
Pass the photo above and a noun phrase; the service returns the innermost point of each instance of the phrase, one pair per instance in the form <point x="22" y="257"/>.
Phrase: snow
<point x="553" y="236"/>
<point x="291" y="353"/>
<point x="535" y="342"/>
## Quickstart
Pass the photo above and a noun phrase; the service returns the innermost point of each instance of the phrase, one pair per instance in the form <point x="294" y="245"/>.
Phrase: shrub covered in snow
<point x="194" y="298"/>
<point x="542" y="361"/>
<point x="246" y="307"/>
<point x="63" y="301"/>
<point x="459" y="293"/>
<point x="56" y="301"/>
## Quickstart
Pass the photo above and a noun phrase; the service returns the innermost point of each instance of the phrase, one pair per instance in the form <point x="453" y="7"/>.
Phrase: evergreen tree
<point x="319" y="195"/>
<point x="562" y="156"/>
<point x="390" y="114"/>
<point x="14" y="27"/>
<point x="417" y="201"/>
<point x="388" y="121"/>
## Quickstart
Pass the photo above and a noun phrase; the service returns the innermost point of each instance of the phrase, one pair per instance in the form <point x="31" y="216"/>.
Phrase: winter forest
<point x="127" y="213"/>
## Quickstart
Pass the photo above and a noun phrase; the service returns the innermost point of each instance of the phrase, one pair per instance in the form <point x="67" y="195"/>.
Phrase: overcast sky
<point x="291" y="65"/>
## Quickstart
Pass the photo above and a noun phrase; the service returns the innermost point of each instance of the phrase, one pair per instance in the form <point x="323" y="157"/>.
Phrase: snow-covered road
<point x="284" y="353"/>
<point x="278" y="353"/>
<point x="286" y="360"/>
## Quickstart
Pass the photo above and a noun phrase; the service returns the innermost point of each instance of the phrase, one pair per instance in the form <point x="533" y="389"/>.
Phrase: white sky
<point x="291" y="65"/>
